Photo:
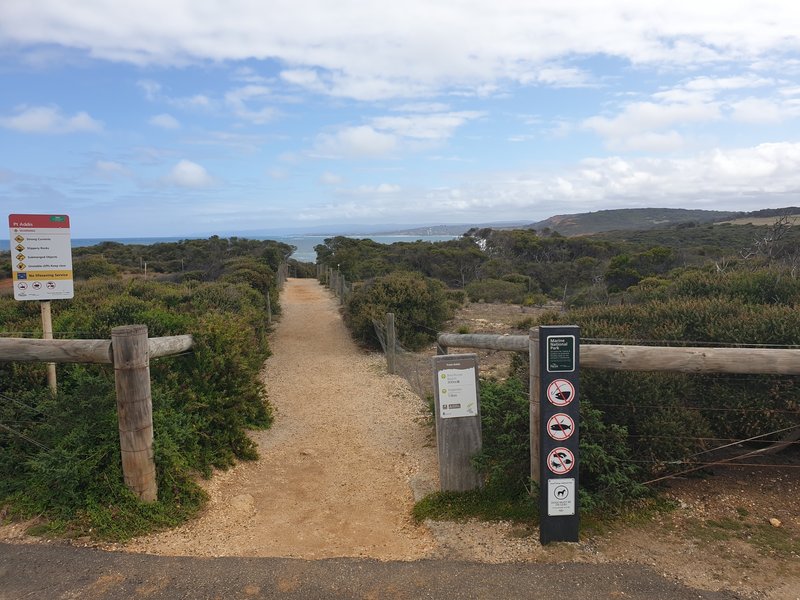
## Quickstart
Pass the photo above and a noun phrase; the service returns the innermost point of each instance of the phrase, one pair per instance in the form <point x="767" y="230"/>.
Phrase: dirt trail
<point x="336" y="468"/>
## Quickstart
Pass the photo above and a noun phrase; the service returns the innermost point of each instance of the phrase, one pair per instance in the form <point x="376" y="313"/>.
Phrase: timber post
<point x="47" y="334"/>
<point x="535" y="402"/>
<point x="131" y="358"/>
<point x="269" y="309"/>
<point x="391" y="344"/>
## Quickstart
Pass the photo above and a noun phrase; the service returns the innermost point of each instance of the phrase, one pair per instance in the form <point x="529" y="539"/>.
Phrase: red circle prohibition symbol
<point x="560" y="392"/>
<point x="560" y="427"/>
<point x="560" y="461"/>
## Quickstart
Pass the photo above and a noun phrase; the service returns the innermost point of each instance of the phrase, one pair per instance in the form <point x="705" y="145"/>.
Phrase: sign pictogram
<point x="560" y="392"/>
<point x="51" y="285"/>
<point x="20" y="257"/>
<point x="22" y="285"/>
<point x="560" y="427"/>
<point x="21" y="266"/>
<point x="19" y="247"/>
<point x="36" y="285"/>
<point x="560" y="461"/>
<point x="19" y="239"/>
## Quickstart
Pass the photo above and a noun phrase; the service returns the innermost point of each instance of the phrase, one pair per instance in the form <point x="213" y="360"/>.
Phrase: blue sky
<point x="155" y="118"/>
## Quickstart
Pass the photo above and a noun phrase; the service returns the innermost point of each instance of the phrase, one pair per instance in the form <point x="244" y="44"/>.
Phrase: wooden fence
<point x="751" y="361"/>
<point x="130" y="351"/>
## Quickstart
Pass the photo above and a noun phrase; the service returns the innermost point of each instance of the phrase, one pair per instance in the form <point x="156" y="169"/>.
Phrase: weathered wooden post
<point x="391" y="344"/>
<point x="534" y="400"/>
<point x="458" y="420"/>
<point x="130" y="352"/>
<point x="47" y="334"/>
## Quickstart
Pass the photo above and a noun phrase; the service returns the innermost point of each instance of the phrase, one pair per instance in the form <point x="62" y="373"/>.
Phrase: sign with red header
<point x="41" y="257"/>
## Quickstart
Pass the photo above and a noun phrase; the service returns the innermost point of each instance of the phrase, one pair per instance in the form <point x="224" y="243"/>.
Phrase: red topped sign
<point x="38" y="221"/>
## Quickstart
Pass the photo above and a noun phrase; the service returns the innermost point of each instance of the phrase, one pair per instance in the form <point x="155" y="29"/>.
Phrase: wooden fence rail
<point x="751" y="361"/>
<point x="130" y="351"/>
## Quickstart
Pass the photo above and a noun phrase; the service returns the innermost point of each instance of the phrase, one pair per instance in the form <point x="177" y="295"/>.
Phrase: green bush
<point x="606" y="474"/>
<point x="419" y="304"/>
<point x="202" y="403"/>
<point x="497" y="290"/>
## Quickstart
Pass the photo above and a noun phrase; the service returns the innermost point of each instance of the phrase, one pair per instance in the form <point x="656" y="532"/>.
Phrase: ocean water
<point x="304" y="244"/>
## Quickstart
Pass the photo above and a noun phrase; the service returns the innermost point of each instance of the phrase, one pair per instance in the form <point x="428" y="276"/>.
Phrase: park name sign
<point x="559" y="406"/>
<point x="41" y="257"/>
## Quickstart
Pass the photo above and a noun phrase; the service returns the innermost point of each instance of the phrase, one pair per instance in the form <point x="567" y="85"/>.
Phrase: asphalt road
<point x="45" y="572"/>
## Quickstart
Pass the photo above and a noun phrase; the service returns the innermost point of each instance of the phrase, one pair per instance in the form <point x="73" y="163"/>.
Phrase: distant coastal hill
<point x="630" y="219"/>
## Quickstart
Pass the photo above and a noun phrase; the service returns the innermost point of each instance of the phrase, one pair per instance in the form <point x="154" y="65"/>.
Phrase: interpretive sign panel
<point x="41" y="257"/>
<point x="458" y="393"/>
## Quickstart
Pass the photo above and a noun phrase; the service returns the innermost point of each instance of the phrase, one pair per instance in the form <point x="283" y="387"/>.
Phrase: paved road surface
<point x="56" y="572"/>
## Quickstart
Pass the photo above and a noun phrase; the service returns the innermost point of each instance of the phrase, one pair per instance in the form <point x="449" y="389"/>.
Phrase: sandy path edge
<point x="333" y="478"/>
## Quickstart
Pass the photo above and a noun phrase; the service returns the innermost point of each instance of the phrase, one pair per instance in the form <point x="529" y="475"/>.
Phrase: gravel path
<point x="337" y="467"/>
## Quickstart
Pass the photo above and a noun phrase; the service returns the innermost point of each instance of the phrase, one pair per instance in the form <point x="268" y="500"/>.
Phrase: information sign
<point x="458" y="394"/>
<point x="561" y="497"/>
<point x="560" y="353"/>
<point x="41" y="253"/>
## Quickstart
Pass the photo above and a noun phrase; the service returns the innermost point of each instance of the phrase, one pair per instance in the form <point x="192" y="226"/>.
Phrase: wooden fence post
<point x="458" y="420"/>
<point x="47" y="334"/>
<point x="391" y="343"/>
<point x="129" y="346"/>
<point x="534" y="399"/>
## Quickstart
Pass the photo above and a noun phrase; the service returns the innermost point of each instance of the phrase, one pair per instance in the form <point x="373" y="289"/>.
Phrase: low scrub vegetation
<point x="59" y="455"/>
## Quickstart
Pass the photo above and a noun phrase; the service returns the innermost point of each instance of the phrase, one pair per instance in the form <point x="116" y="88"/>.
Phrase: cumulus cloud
<point x="165" y="121"/>
<point x="189" y="174"/>
<point x="241" y="100"/>
<point x="49" y="119"/>
<point x="384" y="49"/>
<point x="361" y="141"/>
<point x="641" y="125"/>
<point x="426" y="126"/>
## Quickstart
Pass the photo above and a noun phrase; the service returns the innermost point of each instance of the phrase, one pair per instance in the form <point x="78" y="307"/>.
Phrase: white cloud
<point x="110" y="169"/>
<point x="189" y="174"/>
<point x="240" y="100"/>
<point x="356" y="142"/>
<point x="425" y="126"/>
<point x="383" y="188"/>
<point x="382" y="49"/>
<point x="165" y="121"/>
<point x="49" y="119"/>
<point x="328" y="178"/>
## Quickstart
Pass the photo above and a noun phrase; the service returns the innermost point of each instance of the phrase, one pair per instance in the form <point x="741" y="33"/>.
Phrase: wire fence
<point x="415" y="368"/>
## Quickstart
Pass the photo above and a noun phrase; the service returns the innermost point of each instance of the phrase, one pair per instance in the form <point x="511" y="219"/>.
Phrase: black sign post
<point x="558" y="370"/>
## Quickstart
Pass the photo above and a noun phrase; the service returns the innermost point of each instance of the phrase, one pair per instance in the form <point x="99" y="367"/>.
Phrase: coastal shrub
<point x="59" y="456"/>
<point x="420" y="306"/>
<point x="497" y="290"/>
<point x="607" y="476"/>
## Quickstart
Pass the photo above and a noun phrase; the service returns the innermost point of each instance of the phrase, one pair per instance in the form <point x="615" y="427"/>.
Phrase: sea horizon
<point x="304" y="243"/>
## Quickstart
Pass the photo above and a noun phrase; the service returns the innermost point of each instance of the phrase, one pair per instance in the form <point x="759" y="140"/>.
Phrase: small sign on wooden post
<point x="555" y="412"/>
<point x="458" y="420"/>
